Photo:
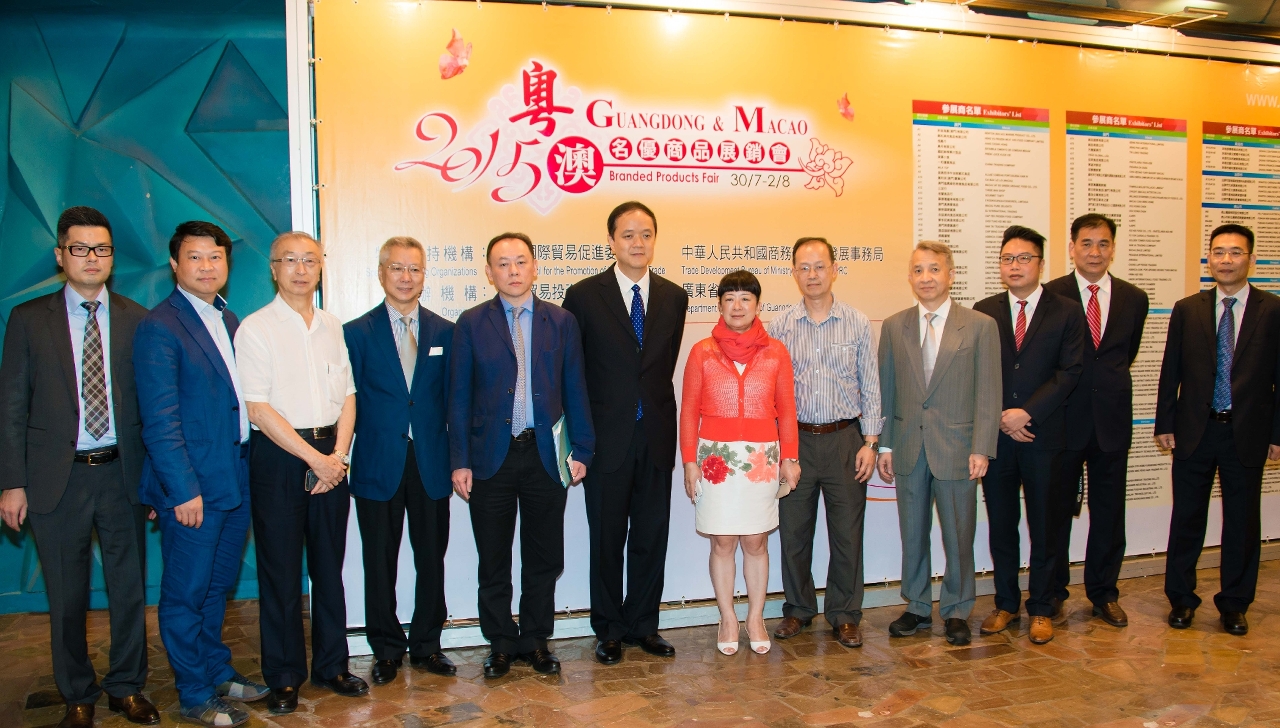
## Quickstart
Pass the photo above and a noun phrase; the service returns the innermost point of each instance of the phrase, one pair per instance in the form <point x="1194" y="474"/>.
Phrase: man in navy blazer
<point x="516" y="368"/>
<point x="196" y="473"/>
<point x="400" y="459"/>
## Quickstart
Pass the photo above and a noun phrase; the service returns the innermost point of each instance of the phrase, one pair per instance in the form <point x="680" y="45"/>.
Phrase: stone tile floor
<point x="1144" y="676"/>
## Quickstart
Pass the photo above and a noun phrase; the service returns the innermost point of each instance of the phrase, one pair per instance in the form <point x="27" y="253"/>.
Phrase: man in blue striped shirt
<point x="838" y="405"/>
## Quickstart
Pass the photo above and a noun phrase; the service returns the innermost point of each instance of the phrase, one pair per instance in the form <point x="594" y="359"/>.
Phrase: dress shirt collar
<point x="1241" y="295"/>
<point x="1032" y="300"/>
<point x="836" y="311"/>
<point x="626" y="283"/>
<point x="942" y="311"/>
<point x="284" y="312"/>
<point x="526" y="303"/>
<point x="199" y="304"/>
<point x="74" y="299"/>
<point x="1103" y="284"/>
<point x="395" y="314"/>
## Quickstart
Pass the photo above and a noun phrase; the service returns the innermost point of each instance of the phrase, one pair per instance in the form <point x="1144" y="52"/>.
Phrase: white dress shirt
<point x="1104" y="297"/>
<point x="939" y="320"/>
<point x="1237" y="309"/>
<point x="303" y="372"/>
<point x="1032" y="301"/>
<point x="77" y="319"/>
<point x="211" y="316"/>
<point x="625" y="284"/>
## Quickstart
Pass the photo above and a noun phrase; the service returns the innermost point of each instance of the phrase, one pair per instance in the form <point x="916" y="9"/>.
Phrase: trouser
<point x="1023" y="468"/>
<point x="957" y="502"/>
<point x="1241" y="521"/>
<point x="381" y="527"/>
<point x="629" y="509"/>
<point x="522" y="486"/>
<point x="284" y="515"/>
<point x="95" y="500"/>
<point x="827" y="466"/>
<point x="1104" y="554"/>
<point x="200" y="570"/>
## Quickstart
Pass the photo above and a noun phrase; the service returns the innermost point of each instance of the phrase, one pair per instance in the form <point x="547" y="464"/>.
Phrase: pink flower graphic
<point x="762" y="471"/>
<point x="826" y="167"/>
<point x="456" y="57"/>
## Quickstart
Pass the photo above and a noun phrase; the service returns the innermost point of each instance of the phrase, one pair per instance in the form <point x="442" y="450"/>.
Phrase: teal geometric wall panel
<point x="155" y="113"/>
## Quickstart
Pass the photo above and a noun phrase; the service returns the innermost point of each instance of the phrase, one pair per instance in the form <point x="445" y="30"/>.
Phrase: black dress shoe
<point x="1180" y="617"/>
<point x="497" y="664"/>
<point x="608" y="652"/>
<point x="958" y="631"/>
<point x="542" y="661"/>
<point x="653" y="644"/>
<point x="282" y="700"/>
<point x="1235" y="623"/>
<point x="435" y="663"/>
<point x="908" y="623"/>
<point x="137" y="709"/>
<point x="344" y="684"/>
<point x="79" y="715"/>
<point x="384" y="671"/>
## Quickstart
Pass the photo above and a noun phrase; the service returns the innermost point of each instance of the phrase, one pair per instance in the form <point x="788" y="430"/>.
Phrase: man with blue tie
<point x="400" y="459"/>
<point x="196" y="474"/>
<point x="516" y="369"/>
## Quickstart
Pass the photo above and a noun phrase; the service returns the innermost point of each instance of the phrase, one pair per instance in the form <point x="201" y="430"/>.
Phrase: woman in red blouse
<point x="739" y="445"/>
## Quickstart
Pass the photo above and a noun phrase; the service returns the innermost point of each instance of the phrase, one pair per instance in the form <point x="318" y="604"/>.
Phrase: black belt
<point x="827" y="428"/>
<point x="1220" y="416"/>
<point x="525" y="435"/>
<point x="98" y="457"/>
<point x="319" y="433"/>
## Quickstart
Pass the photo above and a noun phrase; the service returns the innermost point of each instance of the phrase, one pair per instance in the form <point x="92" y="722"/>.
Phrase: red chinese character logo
<point x="575" y="164"/>
<point x="753" y="152"/>
<point x="728" y="151"/>
<point x="620" y="148"/>
<point x="539" y="96"/>
<point x="674" y="150"/>
<point x="700" y="150"/>
<point x="779" y="153"/>
<point x="647" y="148"/>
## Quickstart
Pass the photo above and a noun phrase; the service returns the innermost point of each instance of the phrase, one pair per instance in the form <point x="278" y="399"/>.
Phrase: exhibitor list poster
<point x="1133" y="169"/>
<point x="978" y="170"/>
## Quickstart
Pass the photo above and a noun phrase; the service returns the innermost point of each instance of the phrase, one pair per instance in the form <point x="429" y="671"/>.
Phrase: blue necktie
<point x="1226" y="351"/>
<point x="637" y="323"/>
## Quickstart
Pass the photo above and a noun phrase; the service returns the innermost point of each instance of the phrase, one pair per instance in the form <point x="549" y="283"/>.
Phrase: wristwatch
<point x="345" y="458"/>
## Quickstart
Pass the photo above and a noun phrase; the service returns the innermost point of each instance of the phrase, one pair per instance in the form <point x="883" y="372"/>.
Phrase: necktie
<point x="517" y="338"/>
<point x="1020" y="326"/>
<point x="1226" y="352"/>
<point x="637" y="323"/>
<point x="408" y="351"/>
<point x="1093" y="312"/>
<point x="929" y="349"/>
<point x="93" y="388"/>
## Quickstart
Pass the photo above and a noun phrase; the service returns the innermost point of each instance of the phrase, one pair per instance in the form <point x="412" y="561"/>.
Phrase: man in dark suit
<point x="196" y="475"/>
<point x="1099" y="414"/>
<point x="71" y="450"/>
<point x="400" y="459"/>
<point x="1042" y="349"/>
<point x="1218" y="409"/>
<point x="515" y="372"/>
<point x="632" y="321"/>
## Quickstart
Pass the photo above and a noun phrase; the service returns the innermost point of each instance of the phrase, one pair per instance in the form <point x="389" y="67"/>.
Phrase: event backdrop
<point x="452" y="122"/>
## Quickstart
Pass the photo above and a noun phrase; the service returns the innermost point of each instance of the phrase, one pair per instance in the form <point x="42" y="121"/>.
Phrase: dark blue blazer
<point x="386" y="407"/>
<point x="190" y="415"/>
<point x="482" y="380"/>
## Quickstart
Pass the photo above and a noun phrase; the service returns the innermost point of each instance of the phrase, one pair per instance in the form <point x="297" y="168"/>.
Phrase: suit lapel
<point x="655" y="307"/>
<point x="1117" y="303"/>
<point x="1005" y="322"/>
<point x="915" y="358"/>
<point x="194" y="325"/>
<point x="947" y="347"/>
<point x="497" y="316"/>
<point x="1043" y="309"/>
<point x="1208" y="302"/>
<point x="1248" y="322"/>
<point x="120" y="354"/>
<point x="384" y="340"/>
<point x="61" y="331"/>
<point x="540" y="331"/>
<point x="621" y="309"/>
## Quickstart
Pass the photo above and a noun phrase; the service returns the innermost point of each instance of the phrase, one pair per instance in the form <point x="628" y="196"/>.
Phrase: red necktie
<point x="1020" y="326"/>
<point x="1093" y="312"/>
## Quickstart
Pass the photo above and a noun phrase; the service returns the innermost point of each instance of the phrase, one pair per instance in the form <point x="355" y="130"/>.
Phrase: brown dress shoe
<point x="1041" y="630"/>
<point x="789" y="627"/>
<point x="79" y="715"/>
<point x="136" y="709"/>
<point x="849" y="635"/>
<point x="997" y="621"/>
<point x="1112" y="614"/>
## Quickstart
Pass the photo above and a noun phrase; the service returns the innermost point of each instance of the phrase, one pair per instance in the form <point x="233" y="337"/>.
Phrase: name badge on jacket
<point x="436" y="351"/>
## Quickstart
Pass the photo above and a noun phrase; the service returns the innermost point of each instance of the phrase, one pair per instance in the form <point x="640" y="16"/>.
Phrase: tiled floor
<point x="1144" y="676"/>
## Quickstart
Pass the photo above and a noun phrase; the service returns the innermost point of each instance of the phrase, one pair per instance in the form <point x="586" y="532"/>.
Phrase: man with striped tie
<point x="1218" y="409"/>
<point x="1042" y="351"/>
<point x="1099" y="414"/>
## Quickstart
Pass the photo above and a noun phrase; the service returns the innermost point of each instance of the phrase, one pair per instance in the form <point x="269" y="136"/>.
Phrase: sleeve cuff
<point x="884" y="450"/>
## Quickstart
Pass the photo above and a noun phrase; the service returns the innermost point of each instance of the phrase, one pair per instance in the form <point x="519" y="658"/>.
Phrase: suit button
<point x="1095" y="389"/>
<point x="235" y="443"/>
<point x="410" y="403"/>
<point x="1016" y="366"/>
<point x="926" y="405"/>
<point x="235" y="408"/>
<point x="405" y="435"/>
<point x="508" y="420"/>
<point x="511" y="391"/>
<point x="1015" y="395"/>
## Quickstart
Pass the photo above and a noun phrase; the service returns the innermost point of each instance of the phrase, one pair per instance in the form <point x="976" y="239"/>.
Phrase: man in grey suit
<point x="940" y="390"/>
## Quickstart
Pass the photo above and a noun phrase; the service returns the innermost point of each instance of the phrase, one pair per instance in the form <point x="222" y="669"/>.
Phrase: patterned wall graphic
<point x="153" y="119"/>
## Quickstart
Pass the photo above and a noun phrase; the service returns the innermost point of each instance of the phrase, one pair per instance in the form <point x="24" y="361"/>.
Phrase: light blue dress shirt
<point x="526" y="331"/>
<point x="77" y="318"/>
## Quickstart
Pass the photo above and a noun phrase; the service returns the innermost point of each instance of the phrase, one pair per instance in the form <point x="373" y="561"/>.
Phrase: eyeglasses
<point x="820" y="268"/>
<point x="82" y="251"/>
<point x="290" y="262"/>
<point x="396" y="269"/>
<point x="1233" y="253"/>
<point x="1022" y="258"/>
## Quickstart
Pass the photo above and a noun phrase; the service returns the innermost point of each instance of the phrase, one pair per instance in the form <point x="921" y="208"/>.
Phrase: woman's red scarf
<point x="740" y="347"/>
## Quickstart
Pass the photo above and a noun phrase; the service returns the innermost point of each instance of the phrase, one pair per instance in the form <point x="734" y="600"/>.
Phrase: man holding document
<point x="516" y="378"/>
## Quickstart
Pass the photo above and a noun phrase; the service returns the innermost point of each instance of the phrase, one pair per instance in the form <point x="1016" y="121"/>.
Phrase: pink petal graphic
<point x="457" y="57"/>
<point x="846" y="110"/>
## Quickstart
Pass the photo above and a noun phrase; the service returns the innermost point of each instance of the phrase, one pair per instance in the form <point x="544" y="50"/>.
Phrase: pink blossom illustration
<point x="456" y="59"/>
<point x="842" y="104"/>
<point x="826" y="167"/>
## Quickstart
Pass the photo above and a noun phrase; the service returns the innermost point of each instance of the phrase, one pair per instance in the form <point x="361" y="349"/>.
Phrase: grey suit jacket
<point x="958" y="413"/>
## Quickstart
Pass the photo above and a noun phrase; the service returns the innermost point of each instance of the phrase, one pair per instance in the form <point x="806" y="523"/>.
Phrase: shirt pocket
<point x="338" y="375"/>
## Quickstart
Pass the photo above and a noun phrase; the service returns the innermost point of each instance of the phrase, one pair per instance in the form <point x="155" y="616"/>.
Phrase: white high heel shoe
<point x="727" y="648"/>
<point x="760" y="648"/>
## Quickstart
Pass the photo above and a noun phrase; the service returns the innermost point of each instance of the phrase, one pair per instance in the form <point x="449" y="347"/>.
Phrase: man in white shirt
<point x="300" y="392"/>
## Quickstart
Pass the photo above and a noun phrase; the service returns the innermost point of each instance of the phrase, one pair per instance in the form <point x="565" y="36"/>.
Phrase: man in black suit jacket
<point x="632" y="321"/>
<point x="1042" y="347"/>
<point x="1218" y="409"/>
<point x="1099" y="413"/>
<point x="71" y="451"/>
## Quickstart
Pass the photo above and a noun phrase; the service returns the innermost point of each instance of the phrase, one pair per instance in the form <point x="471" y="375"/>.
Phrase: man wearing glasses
<point x="1223" y="351"/>
<point x="1042" y="355"/>
<point x="293" y="364"/>
<point x="71" y="452"/>
<point x="400" y="361"/>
